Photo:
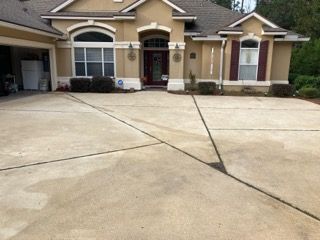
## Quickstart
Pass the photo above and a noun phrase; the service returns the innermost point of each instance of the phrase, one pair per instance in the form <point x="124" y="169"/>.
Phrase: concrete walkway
<point x="153" y="165"/>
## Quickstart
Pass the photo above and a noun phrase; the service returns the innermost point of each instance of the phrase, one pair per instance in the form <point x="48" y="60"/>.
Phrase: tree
<point x="302" y="16"/>
<point x="278" y="11"/>
<point x="306" y="58"/>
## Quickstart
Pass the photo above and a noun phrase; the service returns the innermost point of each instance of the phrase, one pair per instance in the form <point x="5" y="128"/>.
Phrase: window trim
<point x="243" y="39"/>
<point x="85" y="45"/>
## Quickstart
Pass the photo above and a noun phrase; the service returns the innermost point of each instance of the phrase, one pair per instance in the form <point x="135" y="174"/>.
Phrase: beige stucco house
<point x="145" y="42"/>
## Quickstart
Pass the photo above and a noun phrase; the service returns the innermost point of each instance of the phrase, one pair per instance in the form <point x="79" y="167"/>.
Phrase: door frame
<point x="147" y="54"/>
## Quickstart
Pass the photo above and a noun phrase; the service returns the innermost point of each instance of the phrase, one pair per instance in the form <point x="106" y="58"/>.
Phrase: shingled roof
<point x="18" y="13"/>
<point x="210" y="17"/>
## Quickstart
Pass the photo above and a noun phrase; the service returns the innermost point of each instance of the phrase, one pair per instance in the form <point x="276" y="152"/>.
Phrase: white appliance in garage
<point x="32" y="72"/>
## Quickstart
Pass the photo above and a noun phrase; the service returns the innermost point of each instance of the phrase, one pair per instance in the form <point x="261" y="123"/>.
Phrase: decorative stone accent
<point x="132" y="56"/>
<point x="177" y="57"/>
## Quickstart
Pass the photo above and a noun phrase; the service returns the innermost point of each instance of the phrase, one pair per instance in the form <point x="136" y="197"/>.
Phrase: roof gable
<point x="255" y="15"/>
<point x="132" y="6"/>
<point x="62" y="5"/>
<point x="140" y="2"/>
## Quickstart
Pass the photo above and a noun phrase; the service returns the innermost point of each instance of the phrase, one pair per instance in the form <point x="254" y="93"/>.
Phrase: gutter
<point x="221" y="65"/>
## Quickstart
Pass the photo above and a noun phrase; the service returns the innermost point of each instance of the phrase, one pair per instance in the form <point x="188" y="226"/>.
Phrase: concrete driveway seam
<point x="34" y="110"/>
<point x="224" y="171"/>
<point x="265" y="129"/>
<point x="213" y="166"/>
<point x="269" y="109"/>
<point x="78" y="157"/>
<point x="140" y="130"/>
<point x="222" y="167"/>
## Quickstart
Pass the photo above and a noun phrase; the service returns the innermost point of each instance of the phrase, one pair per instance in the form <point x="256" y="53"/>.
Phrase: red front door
<point x="156" y="66"/>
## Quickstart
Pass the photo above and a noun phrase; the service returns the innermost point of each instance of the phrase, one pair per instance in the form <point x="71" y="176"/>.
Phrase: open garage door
<point x="30" y="65"/>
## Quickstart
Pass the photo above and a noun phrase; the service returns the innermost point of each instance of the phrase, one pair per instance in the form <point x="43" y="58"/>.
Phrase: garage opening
<point x="24" y="69"/>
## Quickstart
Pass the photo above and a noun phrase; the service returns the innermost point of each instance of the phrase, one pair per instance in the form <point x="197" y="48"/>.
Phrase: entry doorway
<point x="156" y="67"/>
<point x="155" y="59"/>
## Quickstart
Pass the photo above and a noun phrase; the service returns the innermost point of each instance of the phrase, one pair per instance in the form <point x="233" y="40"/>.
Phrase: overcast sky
<point x="250" y="4"/>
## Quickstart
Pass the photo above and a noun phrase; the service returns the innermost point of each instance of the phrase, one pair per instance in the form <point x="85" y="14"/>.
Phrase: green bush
<point x="102" y="85"/>
<point x="306" y="58"/>
<point x="292" y="77"/>
<point x="207" y="88"/>
<point x="304" y="81"/>
<point x="309" y="92"/>
<point x="282" y="90"/>
<point x="80" y="84"/>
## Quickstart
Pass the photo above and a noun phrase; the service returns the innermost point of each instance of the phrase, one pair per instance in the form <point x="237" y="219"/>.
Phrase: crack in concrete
<point x="78" y="157"/>
<point x="217" y="166"/>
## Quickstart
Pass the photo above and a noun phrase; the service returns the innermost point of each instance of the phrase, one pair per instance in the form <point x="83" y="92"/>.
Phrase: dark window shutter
<point x="235" y="53"/>
<point x="263" y="58"/>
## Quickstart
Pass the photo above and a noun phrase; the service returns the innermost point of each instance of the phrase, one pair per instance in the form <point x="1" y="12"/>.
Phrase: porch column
<point x="176" y="81"/>
<point x="53" y="68"/>
<point x="128" y="64"/>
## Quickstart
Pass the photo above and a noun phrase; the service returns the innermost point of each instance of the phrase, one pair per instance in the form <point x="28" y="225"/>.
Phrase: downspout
<point x="221" y="65"/>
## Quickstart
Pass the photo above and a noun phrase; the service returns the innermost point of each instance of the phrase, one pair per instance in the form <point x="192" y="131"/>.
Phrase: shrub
<point x="306" y="58"/>
<point x="309" y="92"/>
<point x="304" y="81"/>
<point x="102" y="85"/>
<point x="193" y="82"/>
<point x="80" y="84"/>
<point x="292" y="77"/>
<point x="207" y="88"/>
<point x="282" y="90"/>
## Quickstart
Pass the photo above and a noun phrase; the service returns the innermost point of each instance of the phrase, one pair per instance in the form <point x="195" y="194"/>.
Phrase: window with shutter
<point x="234" y="68"/>
<point x="249" y="56"/>
<point x="263" y="58"/>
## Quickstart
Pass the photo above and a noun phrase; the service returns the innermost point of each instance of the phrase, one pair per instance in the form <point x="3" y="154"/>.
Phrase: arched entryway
<point x="155" y="58"/>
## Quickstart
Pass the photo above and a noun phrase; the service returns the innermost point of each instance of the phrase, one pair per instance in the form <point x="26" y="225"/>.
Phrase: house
<point x="157" y="41"/>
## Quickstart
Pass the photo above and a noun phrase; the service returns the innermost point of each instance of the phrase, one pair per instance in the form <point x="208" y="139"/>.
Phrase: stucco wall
<point x="201" y="66"/>
<point x="98" y="5"/>
<point x="281" y="60"/>
<point x="64" y="63"/>
<point x="206" y="60"/>
<point x="149" y="12"/>
<point x="254" y="26"/>
<point x="193" y="65"/>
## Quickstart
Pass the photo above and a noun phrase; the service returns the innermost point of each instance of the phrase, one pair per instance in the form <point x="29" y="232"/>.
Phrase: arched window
<point x="249" y="58"/>
<point x="156" y="43"/>
<point x="93" y="53"/>
<point x="93" y="37"/>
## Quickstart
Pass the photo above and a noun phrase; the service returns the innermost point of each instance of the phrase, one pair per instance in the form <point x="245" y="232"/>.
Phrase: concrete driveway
<point x="153" y="165"/>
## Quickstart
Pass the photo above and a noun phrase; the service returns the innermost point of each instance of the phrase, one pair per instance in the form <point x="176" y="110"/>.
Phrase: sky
<point x="250" y="5"/>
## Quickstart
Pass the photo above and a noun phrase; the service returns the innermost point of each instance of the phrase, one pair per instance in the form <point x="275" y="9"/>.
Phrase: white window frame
<point x="86" y="45"/>
<point x="243" y="39"/>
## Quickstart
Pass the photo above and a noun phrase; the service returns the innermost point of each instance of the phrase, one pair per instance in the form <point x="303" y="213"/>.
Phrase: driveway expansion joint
<point x="218" y="167"/>
<point x="265" y="129"/>
<point x="79" y="157"/>
<point x="221" y="167"/>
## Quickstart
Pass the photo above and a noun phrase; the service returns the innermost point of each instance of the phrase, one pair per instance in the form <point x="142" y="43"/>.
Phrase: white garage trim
<point x="14" y="42"/>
